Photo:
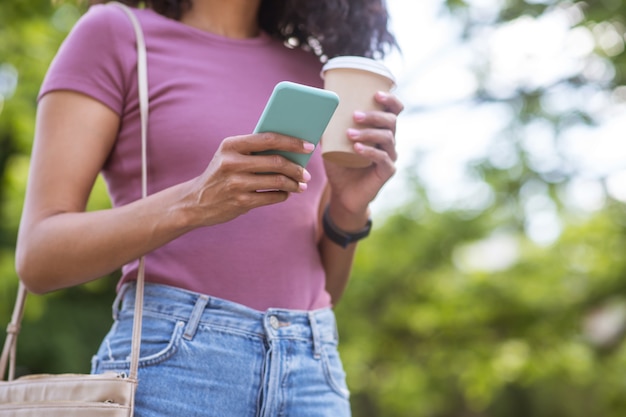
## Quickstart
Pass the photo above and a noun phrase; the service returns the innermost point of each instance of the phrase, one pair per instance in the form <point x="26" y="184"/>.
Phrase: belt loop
<point x="194" y="318"/>
<point x="317" y="352"/>
<point x="118" y="301"/>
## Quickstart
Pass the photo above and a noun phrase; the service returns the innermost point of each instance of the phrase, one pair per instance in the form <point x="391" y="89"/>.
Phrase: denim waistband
<point x="203" y="310"/>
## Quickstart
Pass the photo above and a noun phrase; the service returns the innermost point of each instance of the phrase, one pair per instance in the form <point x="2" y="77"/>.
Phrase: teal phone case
<point x="300" y="111"/>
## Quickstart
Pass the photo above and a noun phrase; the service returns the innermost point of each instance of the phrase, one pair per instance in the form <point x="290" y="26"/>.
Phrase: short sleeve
<point x="95" y="58"/>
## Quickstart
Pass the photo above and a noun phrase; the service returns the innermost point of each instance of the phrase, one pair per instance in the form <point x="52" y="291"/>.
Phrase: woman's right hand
<point x="237" y="180"/>
<point x="60" y="245"/>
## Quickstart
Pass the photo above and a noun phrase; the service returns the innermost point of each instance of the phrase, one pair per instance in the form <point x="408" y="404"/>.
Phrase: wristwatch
<point x="341" y="237"/>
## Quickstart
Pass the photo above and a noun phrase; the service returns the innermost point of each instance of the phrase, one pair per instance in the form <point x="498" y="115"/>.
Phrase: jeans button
<point x="274" y="322"/>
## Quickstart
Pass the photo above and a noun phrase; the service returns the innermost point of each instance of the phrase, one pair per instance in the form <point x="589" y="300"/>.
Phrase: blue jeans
<point x="204" y="356"/>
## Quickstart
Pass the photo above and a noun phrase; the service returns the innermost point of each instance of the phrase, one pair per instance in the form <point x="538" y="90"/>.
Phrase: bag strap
<point x="13" y="329"/>
<point x="142" y="82"/>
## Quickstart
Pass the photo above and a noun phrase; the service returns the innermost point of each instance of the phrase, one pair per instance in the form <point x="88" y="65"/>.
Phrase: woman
<point x="240" y="283"/>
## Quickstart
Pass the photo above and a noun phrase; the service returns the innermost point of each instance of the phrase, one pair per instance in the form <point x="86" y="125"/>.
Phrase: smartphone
<point x="300" y="111"/>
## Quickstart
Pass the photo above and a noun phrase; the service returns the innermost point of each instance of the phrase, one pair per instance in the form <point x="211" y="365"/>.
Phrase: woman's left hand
<point x="354" y="188"/>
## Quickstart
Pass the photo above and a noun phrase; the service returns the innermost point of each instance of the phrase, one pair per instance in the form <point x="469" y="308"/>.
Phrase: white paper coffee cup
<point x="356" y="80"/>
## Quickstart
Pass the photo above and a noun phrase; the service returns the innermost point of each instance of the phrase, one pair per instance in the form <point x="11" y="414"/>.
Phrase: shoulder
<point x="102" y="28"/>
<point x="96" y="58"/>
<point x="110" y="22"/>
<point x="102" y="19"/>
<point x="104" y="33"/>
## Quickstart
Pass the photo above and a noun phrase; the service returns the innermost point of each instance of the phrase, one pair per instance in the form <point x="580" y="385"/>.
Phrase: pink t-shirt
<point x="202" y="88"/>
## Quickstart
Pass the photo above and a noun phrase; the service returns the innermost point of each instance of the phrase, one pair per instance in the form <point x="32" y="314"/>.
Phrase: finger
<point x="278" y="164"/>
<point x="260" y="198"/>
<point x="276" y="182"/>
<point x="379" y="119"/>
<point x="381" y="159"/>
<point x="258" y="142"/>
<point x="245" y="192"/>
<point x="267" y="197"/>
<point x="389" y="101"/>
<point x="380" y="138"/>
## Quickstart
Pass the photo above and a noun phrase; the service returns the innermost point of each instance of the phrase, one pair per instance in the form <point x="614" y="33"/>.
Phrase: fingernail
<point x="382" y="94"/>
<point x="353" y="133"/>
<point x="359" y="116"/>
<point x="359" y="147"/>
<point x="302" y="186"/>
<point x="306" y="175"/>
<point x="308" y="146"/>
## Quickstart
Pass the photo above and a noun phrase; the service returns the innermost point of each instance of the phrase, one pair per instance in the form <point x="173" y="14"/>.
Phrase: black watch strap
<point x="341" y="237"/>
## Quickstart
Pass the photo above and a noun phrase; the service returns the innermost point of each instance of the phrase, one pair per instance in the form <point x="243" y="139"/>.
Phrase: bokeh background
<point x="494" y="283"/>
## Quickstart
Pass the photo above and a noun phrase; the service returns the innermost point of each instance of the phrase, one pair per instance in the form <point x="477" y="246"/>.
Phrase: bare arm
<point x="337" y="260"/>
<point x="61" y="245"/>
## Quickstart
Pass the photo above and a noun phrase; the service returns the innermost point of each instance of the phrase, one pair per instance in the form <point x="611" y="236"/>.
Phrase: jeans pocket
<point x="160" y="339"/>
<point x="333" y="370"/>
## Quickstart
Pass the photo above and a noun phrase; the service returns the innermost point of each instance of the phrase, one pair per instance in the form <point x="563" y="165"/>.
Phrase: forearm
<point x="337" y="260"/>
<point x="338" y="266"/>
<point x="72" y="248"/>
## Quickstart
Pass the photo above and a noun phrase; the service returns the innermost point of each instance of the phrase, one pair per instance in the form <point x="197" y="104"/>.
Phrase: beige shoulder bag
<point x="79" y="395"/>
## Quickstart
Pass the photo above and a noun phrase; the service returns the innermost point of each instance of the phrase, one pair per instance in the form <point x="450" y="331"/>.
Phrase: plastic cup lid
<point x="359" y="63"/>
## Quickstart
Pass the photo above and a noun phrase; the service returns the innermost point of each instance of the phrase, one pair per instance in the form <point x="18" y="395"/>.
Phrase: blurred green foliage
<point x="424" y="335"/>
<point x="426" y="329"/>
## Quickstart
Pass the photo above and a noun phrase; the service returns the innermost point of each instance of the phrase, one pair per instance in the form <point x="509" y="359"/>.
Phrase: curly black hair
<point x="329" y="27"/>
